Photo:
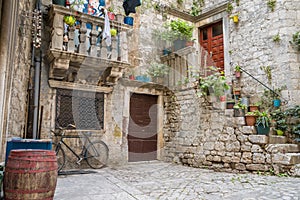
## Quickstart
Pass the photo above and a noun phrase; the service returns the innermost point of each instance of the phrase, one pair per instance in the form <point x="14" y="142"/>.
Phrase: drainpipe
<point x="37" y="80"/>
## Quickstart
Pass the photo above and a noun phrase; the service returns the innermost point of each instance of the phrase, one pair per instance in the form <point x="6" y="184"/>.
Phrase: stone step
<point x="283" y="148"/>
<point x="276" y="139"/>
<point x="286" y="158"/>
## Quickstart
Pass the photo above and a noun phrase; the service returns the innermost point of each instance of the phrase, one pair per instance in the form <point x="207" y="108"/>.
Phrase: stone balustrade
<point x="82" y="45"/>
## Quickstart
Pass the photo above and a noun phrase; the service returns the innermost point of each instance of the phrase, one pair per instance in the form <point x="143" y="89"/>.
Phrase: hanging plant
<point x="229" y="8"/>
<point x="276" y="38"/>
<point x="296" y="40"/>
<point x="271" y="4"/>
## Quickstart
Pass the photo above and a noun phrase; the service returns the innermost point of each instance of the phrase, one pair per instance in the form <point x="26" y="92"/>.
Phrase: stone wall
<point x="15" y="70"/>
<point x="198" y="133"/>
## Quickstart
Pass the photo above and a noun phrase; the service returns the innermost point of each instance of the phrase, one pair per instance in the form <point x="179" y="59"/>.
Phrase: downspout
<point x="37" y="79"/>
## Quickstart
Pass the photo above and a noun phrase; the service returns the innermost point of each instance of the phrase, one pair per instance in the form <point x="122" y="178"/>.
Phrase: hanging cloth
<point x="106" y="32"/>
<point x="129" y="6"/>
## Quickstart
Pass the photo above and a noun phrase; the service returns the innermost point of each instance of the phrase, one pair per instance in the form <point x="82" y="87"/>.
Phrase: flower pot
<point x="237" y="92"/>
<point x="139" y="78"/>
<point x="237" y="96"/>
<point x="179" y="44"/>
<point x="223" y="98"/>
<point x="128" y="20"/>
<point x="235" y="18"/>
<point x="229" y="105"/>
<point x="238" y="112"/>
<point x="250" y="120"/>
<point x="261" y="130"/>
<point x="131" y="77"/>
<point x="279" y="132"/>
<point x="276" y="103"/>
<point x="237" y="74"/>
<point x="166" y="51"/>
<point x="59" y="2"/>
<point x="253" y="108"/>
<point x="111" y="15"/>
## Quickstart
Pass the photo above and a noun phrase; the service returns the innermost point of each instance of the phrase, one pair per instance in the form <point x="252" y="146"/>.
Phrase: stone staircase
<point x="282" y="152"/>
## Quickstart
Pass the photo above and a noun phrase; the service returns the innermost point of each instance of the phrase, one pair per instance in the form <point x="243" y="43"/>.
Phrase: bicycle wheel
<point x="60" y="155"/>
<point x="96" y="154"/>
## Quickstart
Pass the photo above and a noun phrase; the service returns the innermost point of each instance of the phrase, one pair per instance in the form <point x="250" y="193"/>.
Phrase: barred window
<point x="81" y="108"/>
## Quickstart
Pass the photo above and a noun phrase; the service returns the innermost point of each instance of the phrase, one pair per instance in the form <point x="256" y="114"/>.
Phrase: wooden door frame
<point x="160" y="115"/>
<point x="210" y="18"/>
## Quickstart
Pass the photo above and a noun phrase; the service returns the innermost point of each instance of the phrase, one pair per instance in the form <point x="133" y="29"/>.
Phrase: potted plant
<point x="59" y="2"/>
<point x="213" y="84"/>
<point x="110" y="13"/>
<point x="250" y="118"/>
<point x="279" y="121"/>
<point x="239" y="109"/>
<point x="179" y="32"/>
<point x="237" y="71"/>
<point x="157" y="71"/>
<point x="263" y="123"/>
<point x="230" y="104"/>
<point x="255" y="106"/>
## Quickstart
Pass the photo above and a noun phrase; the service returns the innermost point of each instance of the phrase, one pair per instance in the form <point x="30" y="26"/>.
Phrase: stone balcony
<point x="78" y="53"/>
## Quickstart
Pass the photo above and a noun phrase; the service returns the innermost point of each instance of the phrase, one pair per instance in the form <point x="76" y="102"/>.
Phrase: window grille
<point x="81" y="108"/>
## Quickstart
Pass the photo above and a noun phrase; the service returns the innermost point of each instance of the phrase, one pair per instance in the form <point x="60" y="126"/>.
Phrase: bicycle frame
<point x="86" y="142"/>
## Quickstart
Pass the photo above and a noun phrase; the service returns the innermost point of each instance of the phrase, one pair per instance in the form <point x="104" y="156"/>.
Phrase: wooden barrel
<point x="30" y="174"/>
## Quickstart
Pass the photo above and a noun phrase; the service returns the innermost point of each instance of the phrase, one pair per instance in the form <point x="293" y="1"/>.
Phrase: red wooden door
<point x="211" y="39"/>
<point x="142" y="130"/>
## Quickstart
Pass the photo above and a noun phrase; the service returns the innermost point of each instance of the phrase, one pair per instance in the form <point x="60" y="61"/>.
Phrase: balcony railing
<point x="81" y="47"/>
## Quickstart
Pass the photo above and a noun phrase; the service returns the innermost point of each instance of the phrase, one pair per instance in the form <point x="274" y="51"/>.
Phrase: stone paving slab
<point x="159" y="180"/>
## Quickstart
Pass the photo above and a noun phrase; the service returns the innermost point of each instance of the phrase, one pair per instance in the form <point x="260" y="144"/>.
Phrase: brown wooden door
<point x="142" y="131"/>
<point x="211" y="39"/>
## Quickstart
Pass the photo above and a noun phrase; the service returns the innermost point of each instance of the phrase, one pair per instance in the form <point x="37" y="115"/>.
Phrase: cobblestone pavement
<point x="159" y="180"/>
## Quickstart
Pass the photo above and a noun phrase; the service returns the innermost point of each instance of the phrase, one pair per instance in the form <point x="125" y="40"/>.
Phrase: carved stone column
<point x="57" y="32"/>
<point x="71" y="43"/>
<point x="123" y="46"/>
<point x="114" y="48"/>
<point x="93" y="41"/>
<point x="82" y="39"/>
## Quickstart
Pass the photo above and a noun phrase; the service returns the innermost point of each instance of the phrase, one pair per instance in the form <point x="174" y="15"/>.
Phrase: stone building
<point x="83" y="82"/>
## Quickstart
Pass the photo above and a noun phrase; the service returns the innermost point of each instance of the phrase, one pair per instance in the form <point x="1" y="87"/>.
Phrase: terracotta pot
<point x="131" y="77"/>
<point x="250" y="120"/>
<point x="229" y="105"/>
<point x="238" y="74"/>
<point x="237" y="92"/>
<point x="223" y="98"/>
<point x="253" y="108"/>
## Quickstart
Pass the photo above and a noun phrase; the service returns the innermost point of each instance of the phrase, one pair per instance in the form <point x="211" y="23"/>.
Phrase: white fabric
<point x="106" y="32"/>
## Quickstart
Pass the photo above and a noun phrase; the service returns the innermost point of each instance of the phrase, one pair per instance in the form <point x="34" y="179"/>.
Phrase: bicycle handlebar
<point x="61" y="131"/>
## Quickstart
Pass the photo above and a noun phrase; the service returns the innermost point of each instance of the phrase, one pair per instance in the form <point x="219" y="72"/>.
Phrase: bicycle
<point x="95" y="153"/>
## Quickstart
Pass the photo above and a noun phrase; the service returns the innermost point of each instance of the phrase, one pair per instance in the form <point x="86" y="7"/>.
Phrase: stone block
<point x="286" y="159"/>
<point x="209" y="146"/>
<point x="283" y="148"/>
<point x="226" y="159"/>
<point x="258" y="139"/>
<point x="229" y="130"/>
<point x="259" y="158"/>
<point x="239" y="121"/>
<point x="224" y="137"/>
<point x="217" y="158"/>
<point x="248" y="130"/>
<point x="245" y="147"/>
<point x="233" y="146"/>
<point x="246" y="157"/>
<point x="275" y="139"/>
<point x="219" y="146"/>
<point x="240" y="166"/>
<point x="229" y="112"/>
<point x="257" y="167"/>
<point x="242" y="138"/>
<point x="256" y="149"/>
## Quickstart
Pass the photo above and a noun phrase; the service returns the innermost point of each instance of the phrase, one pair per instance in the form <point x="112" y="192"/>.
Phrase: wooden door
<point x="211" y="39"/>
<point x="142" y="130"/>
